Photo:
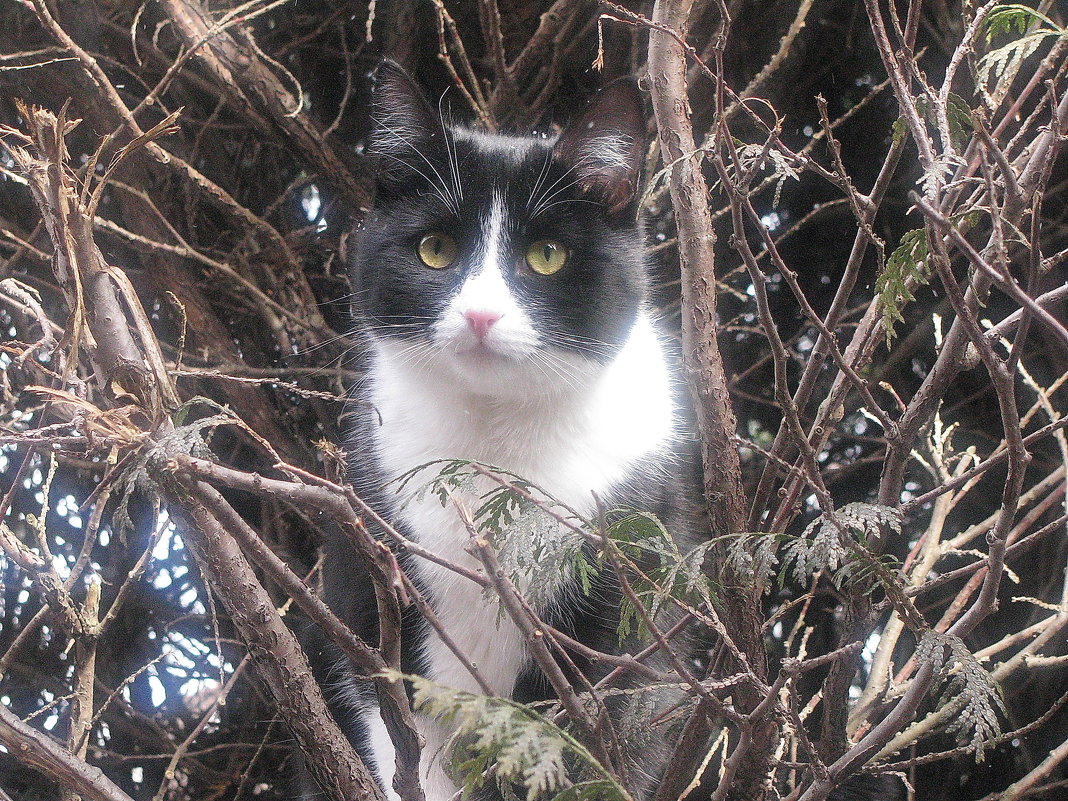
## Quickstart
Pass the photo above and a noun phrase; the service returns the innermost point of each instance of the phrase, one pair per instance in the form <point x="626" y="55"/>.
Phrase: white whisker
<point x="450" y="147"/>
<point x="442" y="189"/>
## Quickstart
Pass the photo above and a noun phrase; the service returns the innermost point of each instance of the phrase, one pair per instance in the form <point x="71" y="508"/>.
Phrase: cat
<point x="501" y="297"/>
<point x="502" y="301"/>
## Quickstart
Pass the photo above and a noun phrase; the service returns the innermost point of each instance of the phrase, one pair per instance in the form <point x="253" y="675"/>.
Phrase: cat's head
<point x="509" y="265"/>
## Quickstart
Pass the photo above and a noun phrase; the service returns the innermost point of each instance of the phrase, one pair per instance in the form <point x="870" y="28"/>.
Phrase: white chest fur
<point x="573" y="442"/>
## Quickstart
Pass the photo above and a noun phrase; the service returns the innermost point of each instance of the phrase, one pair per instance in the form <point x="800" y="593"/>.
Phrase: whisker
<point x="450" y="147"/>
<point x="561" y="370"/>
<point x="323" y="344"/>
<point x="544" y="209"/>
<point x="581" y="339"/>
<point x="450" y="200"/>
<point x="550" y="193"/>
<point x="541" y="177"/>
<point x="558" y="181"/>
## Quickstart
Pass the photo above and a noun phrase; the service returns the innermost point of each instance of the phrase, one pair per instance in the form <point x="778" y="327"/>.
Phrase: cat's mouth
<point x="483" y="351"/>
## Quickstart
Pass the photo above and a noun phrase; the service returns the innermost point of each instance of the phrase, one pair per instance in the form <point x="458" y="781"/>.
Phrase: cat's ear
<point x="606" y="145"/>
<point x="405" y="128"/>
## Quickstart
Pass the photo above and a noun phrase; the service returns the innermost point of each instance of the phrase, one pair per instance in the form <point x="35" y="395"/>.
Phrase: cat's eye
<point x="546" y="256"/>
<point x="437" y="250"/>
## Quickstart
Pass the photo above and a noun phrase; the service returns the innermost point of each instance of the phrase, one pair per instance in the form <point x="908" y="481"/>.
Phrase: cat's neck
<point x="584" y="436"/>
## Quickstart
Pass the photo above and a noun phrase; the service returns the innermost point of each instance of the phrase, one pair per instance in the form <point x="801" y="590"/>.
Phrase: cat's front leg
<point x="437" y="786"/>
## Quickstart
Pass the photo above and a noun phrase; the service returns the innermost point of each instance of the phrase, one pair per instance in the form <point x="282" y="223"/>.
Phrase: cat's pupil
<point x="547" y="252"/>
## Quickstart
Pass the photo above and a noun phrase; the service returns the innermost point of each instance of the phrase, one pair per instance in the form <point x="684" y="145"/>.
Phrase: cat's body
<point x="482" y="346"/>
<point x="577" y="450"/>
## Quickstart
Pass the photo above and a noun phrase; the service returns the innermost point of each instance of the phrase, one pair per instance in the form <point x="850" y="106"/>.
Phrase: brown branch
<point x="705" y="372"/>
<point x="505" y="99"/>
<point x="81" y="704"/>
<point x="1005" y="281"/>
<point x="241" y="71"/>
<point x="280" y="664"/>
<point x="535" y="639"/>
<point x="369" y="662"/>
<point x="533" y="55"/>
<point x="38" y="750"/>
<point x="870" y="744"/>
<point x="88" y="281"/>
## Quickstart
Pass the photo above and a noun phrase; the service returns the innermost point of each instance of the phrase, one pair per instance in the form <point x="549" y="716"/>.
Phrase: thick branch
<point x="280" y="663"/>
<point x="241" y="71"/>
<point x="689" y="193"/>
<point x="40" y="751"/>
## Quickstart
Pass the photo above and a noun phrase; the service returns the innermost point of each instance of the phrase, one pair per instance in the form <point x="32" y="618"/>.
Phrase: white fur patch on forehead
<point x="493" y="228"/>
<point x="485" y="288"/>
<point x="513" y="148"/>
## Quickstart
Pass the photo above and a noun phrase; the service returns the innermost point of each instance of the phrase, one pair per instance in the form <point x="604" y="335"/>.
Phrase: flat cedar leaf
<point x="967" y="687"/>
<point x="752" y="556"/>
<point x="536" y="549"/>
<point x="960" y="120"/>
<point x="823" y="545"/>
<point x="1030" y="29"/>
<point x="1014" y="18"/>
<point x="585" y="791"/>
<point x="628" y="615"/>
<point x="1008" y="58"/>
<point x="907" y="262"/>
<point x="584" y="570"/>
<point x="638" y="531"/>
<point x="958" y="115"/>
<point x="899" y="129"/>
<point x="668" y="573"/>
<point x="186" y="438"/>
<point x="523" y="747"/>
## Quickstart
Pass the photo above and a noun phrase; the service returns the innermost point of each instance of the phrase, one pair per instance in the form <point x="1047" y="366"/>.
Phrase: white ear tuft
<point x="606" y="151"/>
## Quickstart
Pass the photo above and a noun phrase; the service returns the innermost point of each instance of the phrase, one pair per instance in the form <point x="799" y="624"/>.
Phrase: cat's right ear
<point x="404" y="127"/>
<point x="606" y="145"/>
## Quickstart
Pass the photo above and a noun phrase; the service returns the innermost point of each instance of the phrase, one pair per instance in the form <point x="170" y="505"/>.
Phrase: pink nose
<point x="481" y="321"/>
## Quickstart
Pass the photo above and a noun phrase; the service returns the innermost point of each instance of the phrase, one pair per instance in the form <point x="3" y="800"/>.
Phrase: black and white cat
<point x="502" y="301"/>
<point x="501" y="294"/>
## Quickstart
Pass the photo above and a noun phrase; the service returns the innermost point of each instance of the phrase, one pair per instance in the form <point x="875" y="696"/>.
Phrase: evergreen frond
<point x="521" y="746"/>
<point x="827" y="549"/>
<point x="539" y="540"/>
<point x="907" y="261"/>
<point x="754" y="555"/>
<point x="965" y="682"/>
<point x="666" y="572"/>
<point x="186" y="438"/>
<point x="1030" y="27"/>
<point x="1014" y="18"/>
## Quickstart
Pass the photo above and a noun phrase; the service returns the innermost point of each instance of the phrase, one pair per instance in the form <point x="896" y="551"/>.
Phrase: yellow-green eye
<point x="437" y="250"/>
<point x="546" y="256"/>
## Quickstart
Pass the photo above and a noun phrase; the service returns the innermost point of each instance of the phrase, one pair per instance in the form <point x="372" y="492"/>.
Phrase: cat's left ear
<point x="606" y="145"/>
<point x="405" y="130"/>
